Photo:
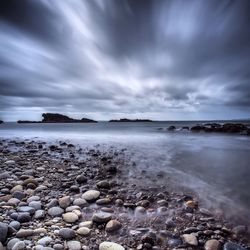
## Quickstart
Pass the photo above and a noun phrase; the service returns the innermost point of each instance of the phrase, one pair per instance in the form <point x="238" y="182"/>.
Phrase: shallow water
<point x="215" y="166"/>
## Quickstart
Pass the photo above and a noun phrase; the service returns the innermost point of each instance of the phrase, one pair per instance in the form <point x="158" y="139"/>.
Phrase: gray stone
<point x="26" y="209"/>
<point x="44" y="241"/>
<point x="3" y="232"/>
<point x="67" y="233"/>
<point x="74" y="245"/>
<point x="37" y="205"/>
<point x="15" y="224"/>
<point x="55" y="211"/>
<point x="80" y="202"/>
<point x="103" y="184"/>
<point x="58" y="247"/>
<point x="19" y="246"/>
<point x="11" y="243"/>
<point x="91" y="195"/>
<point x="39" y="214"/>
<point x="4" y="175"/>
<point x="23" y="217"/>
<point x="101" y="217"/>
<point x="233" y="246"/>
<point x="52" y="203"/>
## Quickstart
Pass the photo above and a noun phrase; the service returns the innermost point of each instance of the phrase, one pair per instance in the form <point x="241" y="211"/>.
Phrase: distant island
<point x="131" y="120"/>
<point x="1" y="121"/>
<point x="58" y="118"/>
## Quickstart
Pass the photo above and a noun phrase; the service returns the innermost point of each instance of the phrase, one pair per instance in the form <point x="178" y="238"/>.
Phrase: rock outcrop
<point x="1" y="121"/>
<point x="58" y="118"/>
<point x="222" y="128"/>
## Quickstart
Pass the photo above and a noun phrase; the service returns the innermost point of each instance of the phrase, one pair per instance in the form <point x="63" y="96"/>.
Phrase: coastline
<point x="43" y="190"/>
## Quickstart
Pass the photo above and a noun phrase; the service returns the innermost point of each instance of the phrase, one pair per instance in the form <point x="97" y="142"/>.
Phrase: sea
<point x="213" y="166"/>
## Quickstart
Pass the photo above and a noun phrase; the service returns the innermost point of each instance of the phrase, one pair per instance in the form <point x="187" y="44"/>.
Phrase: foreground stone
<point x="190" y="239"/>
<point x="91" y="195"/>
<point x="106" y="245"/>
<point x="113" y="225"/>
<point x="212" y="245"/>
<point x="3" y="232"/>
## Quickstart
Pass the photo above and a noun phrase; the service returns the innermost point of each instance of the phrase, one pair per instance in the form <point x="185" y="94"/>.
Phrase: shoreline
<point x="44" y="203"/>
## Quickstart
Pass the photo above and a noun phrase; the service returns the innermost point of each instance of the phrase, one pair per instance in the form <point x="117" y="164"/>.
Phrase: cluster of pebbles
<point x="60" y="196"/>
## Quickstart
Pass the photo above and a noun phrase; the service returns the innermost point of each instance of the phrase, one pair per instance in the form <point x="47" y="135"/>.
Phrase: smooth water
<point x="215" y="166"/>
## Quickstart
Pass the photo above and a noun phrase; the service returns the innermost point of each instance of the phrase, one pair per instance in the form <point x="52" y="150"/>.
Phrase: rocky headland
<point x="58" y="118"/>
<point x="61" y="196"/>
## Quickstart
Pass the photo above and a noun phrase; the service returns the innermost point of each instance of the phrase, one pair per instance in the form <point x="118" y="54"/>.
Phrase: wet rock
<point x="91" y="195"/>
<point x="74" y="245"/>
<point x="55" y="211"/>
<point x="113" y="225"/>
<point x="70" y="217"/>
<point x="3" y="232"/>
<point x="212" y="245"/>
<point x="174" y="242"/>
<point x="240" y="230"/>
<point x="106" y="245"/>
<point x="190" y="239"/>
<point x="67" y="233"/>
<point x="83" y="231"/>
<point x="233" y="246"/>
<point x="171" y="128"/>
<point x="101" y="217"/>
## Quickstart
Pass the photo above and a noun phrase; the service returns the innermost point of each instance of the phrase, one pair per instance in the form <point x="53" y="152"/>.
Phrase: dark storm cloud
<point x="162" y="59"/>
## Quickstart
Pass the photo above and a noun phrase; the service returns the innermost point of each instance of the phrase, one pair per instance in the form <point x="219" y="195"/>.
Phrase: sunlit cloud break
<point x="106" y="59"/>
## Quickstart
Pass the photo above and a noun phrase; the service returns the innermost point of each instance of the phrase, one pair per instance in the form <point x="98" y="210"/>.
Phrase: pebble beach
<point x="63" y="196"/>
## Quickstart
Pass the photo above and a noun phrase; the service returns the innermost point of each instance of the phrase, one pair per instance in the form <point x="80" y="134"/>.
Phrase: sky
<point x="109" y="59"/>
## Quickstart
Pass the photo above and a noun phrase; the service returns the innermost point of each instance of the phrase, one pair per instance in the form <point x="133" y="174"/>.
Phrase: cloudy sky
<point x="105" y="59"/>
